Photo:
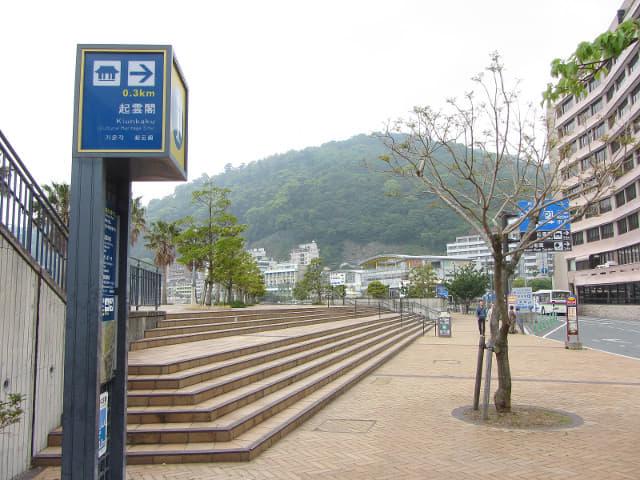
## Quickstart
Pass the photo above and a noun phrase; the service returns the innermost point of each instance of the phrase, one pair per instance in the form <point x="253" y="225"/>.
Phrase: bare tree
<point x="481" y="156"/>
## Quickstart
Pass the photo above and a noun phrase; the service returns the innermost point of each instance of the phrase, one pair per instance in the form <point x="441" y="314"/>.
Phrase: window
<point x="567" y="105"/>
<point x="606" y="230"/>
<point x="593" y="234"/>
<point x="633" y="63"/>
<point x="622" y="226"/>
<point x="620" y="200"/>
<point x="615" y="146"/>
<point x="585" y="114"/>
<point x="620" y="80"/>
<point x="610" y="93"/>
<point x="600" y="156"/>
<point x="584" y="140"/>
<point x="630" y="192"/>
<point x="635" y="94"/>
<point x="586" y="163"/>
<point x="570" y="126"/>
<point x="605" y="205"/>
<point x="578" y="238"/>
<point x="595" y="83"/>
<point x="592" y="211"/>
<point x="596" y="106"/>
<point x="622" y="109"/>
<point x="633" y="221"/>
<point x="598" y="131"/>
<point x="627" y="164"/>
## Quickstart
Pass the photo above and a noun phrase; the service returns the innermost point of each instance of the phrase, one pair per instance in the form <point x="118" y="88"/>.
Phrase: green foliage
<point x="423" y="281"/>
<point x="541" y="284"/>
<point x="161" y="238"/>
<point x="590" y="61"/>
<point x="138" y="221"/>
<point x="313" y="282"/>
<point x="467" y="283"/>
<point x="59" y="196"/>
<point x="321" y="193"/>
<point x="518" y="282"/>
<point x="238" y="304"/>
<point x="10" y="410"/>
<point x="377" y="290"/>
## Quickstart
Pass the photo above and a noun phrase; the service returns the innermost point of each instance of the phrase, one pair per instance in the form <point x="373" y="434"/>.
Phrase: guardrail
<point x="145" y="284"/>
<point x="27" y="214"/>
<point x="415" y="308"/>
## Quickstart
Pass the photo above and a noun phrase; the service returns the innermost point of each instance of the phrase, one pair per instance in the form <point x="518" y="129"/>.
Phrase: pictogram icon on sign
<point x="141" y="73"/>
<point x="106" y="73"/>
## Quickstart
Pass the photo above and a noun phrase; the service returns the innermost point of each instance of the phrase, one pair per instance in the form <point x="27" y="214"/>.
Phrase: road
<point x="621" y="337"/>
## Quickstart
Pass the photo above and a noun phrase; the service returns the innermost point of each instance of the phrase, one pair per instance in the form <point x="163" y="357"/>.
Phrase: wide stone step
<point x="204" y="372"/>
<point x="228" y="325"/>
<point x="275" y="418"/>
<point x="316" y="358"/>
<point x="196" y="337"/>
<point x="165" y="360"/>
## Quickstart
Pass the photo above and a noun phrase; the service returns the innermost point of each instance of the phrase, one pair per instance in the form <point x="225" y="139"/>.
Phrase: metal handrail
<point x="145" y="284"/>
<point x="29" y="217"/>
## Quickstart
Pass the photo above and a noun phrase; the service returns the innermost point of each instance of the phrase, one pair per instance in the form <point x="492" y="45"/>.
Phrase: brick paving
<point x="398" y="422"/>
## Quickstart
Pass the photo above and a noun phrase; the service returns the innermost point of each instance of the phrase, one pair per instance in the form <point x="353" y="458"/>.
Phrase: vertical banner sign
<point x="109" y="272"/>
<point x="102" y="425"/>
<point x="572" y="317"/>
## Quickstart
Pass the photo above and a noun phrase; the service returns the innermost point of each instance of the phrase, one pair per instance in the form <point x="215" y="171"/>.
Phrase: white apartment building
<point x="473" y="246"/>
<point x="304" y="253"/>
<point x="603" y="269"/>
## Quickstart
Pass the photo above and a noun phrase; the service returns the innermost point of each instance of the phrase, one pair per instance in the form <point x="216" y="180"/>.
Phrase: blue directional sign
<point x="122" y="102"/>
<point x="131" y="102"/>
<point x="554" y="215"/>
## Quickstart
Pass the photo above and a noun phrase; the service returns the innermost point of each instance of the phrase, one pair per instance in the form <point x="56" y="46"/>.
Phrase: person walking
<point x="481" y="315"/>
<point x="512" y="320"/>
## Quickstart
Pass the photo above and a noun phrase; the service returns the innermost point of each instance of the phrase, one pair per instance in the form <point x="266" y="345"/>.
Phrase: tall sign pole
<point x="130" y="124"/>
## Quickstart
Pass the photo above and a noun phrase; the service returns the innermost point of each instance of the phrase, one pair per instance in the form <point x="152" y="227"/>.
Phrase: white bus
<point x="545" y="302"/>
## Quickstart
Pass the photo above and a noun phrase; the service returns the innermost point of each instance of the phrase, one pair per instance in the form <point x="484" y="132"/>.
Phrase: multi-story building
<point x="603" y="269"/>
<point x="473" y="246"/>
<point x="304" y="253"/>
<point x="393" y="270"/>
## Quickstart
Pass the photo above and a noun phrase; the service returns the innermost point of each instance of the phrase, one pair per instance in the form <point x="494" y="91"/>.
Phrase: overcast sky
<point x="266" y="77"/>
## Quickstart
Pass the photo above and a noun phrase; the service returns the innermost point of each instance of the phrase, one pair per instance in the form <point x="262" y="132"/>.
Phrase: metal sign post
<point x="573" y="337"/>
<point x="130" y="123"/>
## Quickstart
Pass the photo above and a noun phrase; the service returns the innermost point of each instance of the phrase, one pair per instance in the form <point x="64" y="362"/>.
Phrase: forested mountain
<point x="324" y="194"/>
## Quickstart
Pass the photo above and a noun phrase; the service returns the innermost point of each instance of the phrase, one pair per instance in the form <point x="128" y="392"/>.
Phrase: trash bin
<point x="444" y="324"/>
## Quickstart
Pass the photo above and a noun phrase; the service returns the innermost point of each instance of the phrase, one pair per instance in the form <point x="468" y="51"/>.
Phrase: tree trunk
<point x="163" y="300"/>
<point x="502" y="397"/>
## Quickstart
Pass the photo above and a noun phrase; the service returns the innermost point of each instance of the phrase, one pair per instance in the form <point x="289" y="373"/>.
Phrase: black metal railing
<point x="27" y="214"/>
<point x="145" y="284"/>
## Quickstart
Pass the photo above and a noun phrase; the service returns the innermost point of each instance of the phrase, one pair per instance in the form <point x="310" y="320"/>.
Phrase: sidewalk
<point x="397" y="423"/>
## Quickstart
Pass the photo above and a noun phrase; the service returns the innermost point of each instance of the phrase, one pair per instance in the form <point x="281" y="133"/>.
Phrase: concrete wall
<point x="142" y="320"/>
<point x="32" y="318"/>
<point x="622" y="312"/>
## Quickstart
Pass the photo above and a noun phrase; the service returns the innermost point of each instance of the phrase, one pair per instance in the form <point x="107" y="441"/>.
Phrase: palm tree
<point x="138" y="222"/>
<point x="161" y="238"/>
<point x="59" y="196"/>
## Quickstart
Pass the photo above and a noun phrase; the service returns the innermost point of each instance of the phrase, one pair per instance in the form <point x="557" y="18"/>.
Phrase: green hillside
<point x="324" y="194"/>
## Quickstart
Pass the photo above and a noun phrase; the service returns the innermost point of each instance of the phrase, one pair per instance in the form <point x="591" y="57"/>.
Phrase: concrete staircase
<point x="212" y="387"/>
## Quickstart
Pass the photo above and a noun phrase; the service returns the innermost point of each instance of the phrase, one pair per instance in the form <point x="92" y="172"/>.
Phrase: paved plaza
<point x="397" y="423"/>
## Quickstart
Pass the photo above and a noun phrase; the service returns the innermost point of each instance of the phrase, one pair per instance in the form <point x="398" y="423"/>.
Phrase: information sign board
<point x="524" y="297"/>
<point x="554" y="215"/>
<point x="102" y="424"/>
<point x="444" y="325"/>
<point x="131" y="102"/>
